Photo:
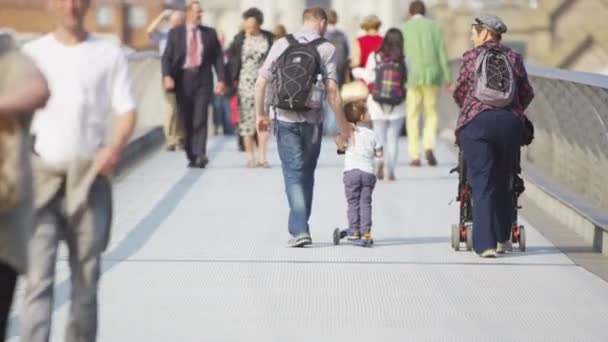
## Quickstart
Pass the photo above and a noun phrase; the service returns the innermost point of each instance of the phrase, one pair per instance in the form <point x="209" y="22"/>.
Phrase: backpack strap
<point x="291" y="39"/>
<point x="318" y="41"/>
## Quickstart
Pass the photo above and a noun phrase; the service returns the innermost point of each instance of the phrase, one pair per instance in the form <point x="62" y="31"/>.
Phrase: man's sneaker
<point x="415" y="163"/>
<point x="353" y="235"/>
<point x="502" y="248"/>
<point x="430" y="158"/>
<point x="488" y="253"/>
<point x="300" y="241"/>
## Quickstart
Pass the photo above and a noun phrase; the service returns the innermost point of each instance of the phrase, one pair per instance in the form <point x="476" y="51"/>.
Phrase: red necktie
<point x="193" y="49"/>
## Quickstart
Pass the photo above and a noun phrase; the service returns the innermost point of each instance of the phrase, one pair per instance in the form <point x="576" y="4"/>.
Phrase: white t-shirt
<point x="88" y="82"/>
<point x="361" y="153"/>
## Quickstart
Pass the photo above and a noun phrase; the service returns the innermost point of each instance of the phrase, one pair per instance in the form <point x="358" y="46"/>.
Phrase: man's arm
<point x="124" y="104"/>
<point x="462" y="85"/>
<point x="167" y="62"/>
<point x="124" y="129"/>
<point x="260" y="94"/>
<point x="335" y="102"/>
<point x="220" y="70"/>
<point x="444" y="62"/>
<point x="153" y="28"/>
<point x="169" y="54"/>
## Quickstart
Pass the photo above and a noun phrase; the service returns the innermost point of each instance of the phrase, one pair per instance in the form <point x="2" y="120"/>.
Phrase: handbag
<point x="10" y="161"/>
<point x="528" y="131"/>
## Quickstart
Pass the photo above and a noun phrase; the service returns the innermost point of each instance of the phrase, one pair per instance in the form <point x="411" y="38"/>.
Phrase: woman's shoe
<point x="488" y="253"/>
<point x="264" y="165"/>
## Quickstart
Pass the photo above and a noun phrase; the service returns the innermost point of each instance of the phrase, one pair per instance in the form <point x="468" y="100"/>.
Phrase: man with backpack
<point x="301" y="69"/>
<point x="492" y="91"/>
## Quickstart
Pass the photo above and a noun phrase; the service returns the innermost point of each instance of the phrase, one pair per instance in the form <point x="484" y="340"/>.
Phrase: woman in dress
<point x="246" y="55"/>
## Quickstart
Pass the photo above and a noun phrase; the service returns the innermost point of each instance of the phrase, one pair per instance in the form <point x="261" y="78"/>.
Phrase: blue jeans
<point x="221" y="114"/>
<point x="490" y="144"/>
<point x="388" y="132"/>
<point x="299" y="147"/>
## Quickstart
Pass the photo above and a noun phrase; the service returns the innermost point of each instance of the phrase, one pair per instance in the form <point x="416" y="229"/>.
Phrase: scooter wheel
<point x="337" y="236"/>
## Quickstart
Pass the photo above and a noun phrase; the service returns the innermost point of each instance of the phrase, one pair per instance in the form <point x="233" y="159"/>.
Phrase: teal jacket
<point x="425" y="51"/>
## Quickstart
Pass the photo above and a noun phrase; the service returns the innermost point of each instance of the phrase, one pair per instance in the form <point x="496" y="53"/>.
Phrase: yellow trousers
<point x="420" y="99"/>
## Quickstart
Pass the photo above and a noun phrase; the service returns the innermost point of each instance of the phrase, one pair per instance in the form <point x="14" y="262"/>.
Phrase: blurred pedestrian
<point x="23" y="89"/>
<point x="174" y="127"/>
<point x="340" y="41"/>
<point x="246" y="55"/>
<point x="192" y="52"/>
<point x="386" y="72"/>
<point x="279" y="32"/>
<point x="89" y="79"/>
<point x="429" y="69"/>
<point x="221" y="102"/>
<point x="369" y="42"/>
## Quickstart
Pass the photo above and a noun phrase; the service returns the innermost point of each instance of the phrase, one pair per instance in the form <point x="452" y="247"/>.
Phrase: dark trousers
<point x="359" y="187"/>
<point x="299" y="147"/>
<point x="8" y="279"/>
<point x="490" y="144"/>
<point x="193" y="97"/>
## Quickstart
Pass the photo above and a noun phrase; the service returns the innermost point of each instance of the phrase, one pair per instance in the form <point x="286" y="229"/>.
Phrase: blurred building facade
<point x="123" y="20"/>
<point x="570" y="34"/>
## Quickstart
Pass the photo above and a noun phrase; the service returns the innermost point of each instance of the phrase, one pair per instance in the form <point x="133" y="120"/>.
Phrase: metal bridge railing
<point x="570" y="114"/>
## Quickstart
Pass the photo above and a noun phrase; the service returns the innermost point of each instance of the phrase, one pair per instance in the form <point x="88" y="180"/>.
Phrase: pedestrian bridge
<point x="200" y="255"/>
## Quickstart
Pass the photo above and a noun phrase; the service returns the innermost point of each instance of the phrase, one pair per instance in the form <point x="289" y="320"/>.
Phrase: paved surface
<point x="201" y="256"/>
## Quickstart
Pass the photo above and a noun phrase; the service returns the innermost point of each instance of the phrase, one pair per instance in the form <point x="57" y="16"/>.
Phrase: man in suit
<point x="191" y="53"/>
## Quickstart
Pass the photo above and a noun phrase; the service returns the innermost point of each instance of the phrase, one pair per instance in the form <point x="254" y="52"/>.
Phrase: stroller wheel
<point x="455" y="237"/>
<point x="522" y="238"/>
<point x="469" y="238"/>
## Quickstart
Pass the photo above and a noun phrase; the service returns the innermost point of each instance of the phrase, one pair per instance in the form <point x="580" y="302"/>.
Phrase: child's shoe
<point x="353" y="235"/>
<point x="367" y="239"/>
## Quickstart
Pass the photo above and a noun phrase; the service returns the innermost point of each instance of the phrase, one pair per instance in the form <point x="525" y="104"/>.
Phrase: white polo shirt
<point x="88" y="82"/>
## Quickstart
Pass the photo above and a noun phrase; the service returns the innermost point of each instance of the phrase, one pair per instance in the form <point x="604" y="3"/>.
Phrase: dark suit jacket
<point x="174" y="57"/>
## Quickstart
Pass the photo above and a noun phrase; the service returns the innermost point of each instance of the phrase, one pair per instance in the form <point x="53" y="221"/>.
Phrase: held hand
<point x="220" y="89"/>
<point x="107" y="159"/>
<point x="340" y="143"/>
<point x="167" y="13"/>
<point x="168" y="83"/>
<point x="263" y="123"/>
<point x="346" y="131"/>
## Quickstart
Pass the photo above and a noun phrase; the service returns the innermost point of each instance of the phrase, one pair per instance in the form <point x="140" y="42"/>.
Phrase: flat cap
<point x="491" y="22"/>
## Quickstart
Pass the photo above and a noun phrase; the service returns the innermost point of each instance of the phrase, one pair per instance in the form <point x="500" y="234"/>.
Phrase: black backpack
<point x="295" y="74"/>
<point x="389" y="87"/>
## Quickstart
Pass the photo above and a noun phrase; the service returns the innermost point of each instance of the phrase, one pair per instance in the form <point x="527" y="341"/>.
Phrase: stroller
<point x="463" y="231"/>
